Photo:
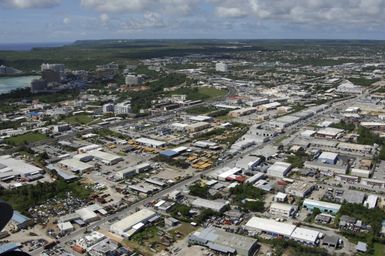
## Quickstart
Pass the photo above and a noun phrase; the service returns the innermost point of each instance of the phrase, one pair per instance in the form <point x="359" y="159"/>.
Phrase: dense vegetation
<point x="296" y="160"/>
<point x="182" y="212"/>
<point x="347" y="126"/>
<point x="363" y="81"/>
<point x="292" y="248"/>
<point x="367" y="137"/>
<point x="143" y="99"/>
<point x="373" y="217"/>
<point x="199" y="190"/>
<point x="24" y="197"/>
<point x="171" y="161"/>
<point x="25" y="94"/>
<point x="25" y="138"/>
<point x="243" y="193"/>
<point x="200" y="110"/>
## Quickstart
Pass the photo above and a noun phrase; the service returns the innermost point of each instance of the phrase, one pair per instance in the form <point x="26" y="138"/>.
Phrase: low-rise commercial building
<point x="373" y="183"/>
<point x="151" y="142"/>
<point x="300" y="189"/>
<point x="223" y="242"/>
<point x="11" y="168"/>
<point x="133" y="170"/>
<point x="75" y="165"/>
<point x="106" y="158"/>
<point x="20" y="221"/>
<point x="271" y="227"/>
<point x="279" y="169"/>
<point x="371" y="201"/>
<point x="274" y="228"/>
<point x="133" y="223"/>
<point x="306" y="236"/>
<point x="281" y="209"/>
<point x="199" y="126"/>
<point x="310" y="204"/>
<point x="215" y="205"/>
<point x="360" y="173"/>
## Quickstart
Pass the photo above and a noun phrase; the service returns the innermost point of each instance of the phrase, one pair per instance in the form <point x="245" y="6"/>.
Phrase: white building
<point x="11" y="168"/>
<point x="215" y="205"/>
<point x="306" y="236"/>
<point x="105" y="158"/>
<point x="132" y="171"/>
<point x="59" y="68"/>
<point x="65" y="227"/>
<point x="361" y="173"/>
<point x="347" y="87"/>
<point x="132" y="223"/>
<point x="300" y="189"/>
<point x="274" y="228"/>
<point x="371" y="201"/>
<point x="280" y="209"/>
<point x="134" y="80"/>
<point x="258" y="225"/>
<point x="108" y="108"/>
<point x="123" y="108"/>
<point x="226" y="172"/>
<point x="279" y="169"/>
<point x="151" y="142"/>
<point x="221" y="67"/>
<point x="75" y="165"/>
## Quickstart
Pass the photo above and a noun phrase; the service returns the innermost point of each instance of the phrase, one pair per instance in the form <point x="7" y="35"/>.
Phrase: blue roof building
<point x="20" y="220"/>
<point x="168" y="153"/>
<point x="8" y="247"/>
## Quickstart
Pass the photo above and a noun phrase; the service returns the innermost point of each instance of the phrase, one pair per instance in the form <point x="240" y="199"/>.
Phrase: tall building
<point x="39" y="85"/>
<point x="134" y="80"/>
<point x="108" y="108"/>
<point x="50" y="75"/>
<point x="51" y="72"/>
<point x="55" y="67"/>
<point x="221" y="67"/>
<point x="123" y="108"/>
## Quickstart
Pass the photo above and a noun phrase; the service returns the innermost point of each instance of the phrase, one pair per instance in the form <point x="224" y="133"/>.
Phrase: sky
<point x="25" y="21"/>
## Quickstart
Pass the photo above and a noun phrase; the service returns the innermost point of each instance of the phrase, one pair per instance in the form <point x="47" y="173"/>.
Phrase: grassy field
<point x="225" y="118"/>
<point x="379" y="249"/>
<point x="144" y="240"/>
<point x="362" y="81"/>
<point x="212" y="92"/>
<point x="185" y="229"/>
<point x="200" y="110"/>
<point x="79" y="119"/>
<point x="26" y="138"/>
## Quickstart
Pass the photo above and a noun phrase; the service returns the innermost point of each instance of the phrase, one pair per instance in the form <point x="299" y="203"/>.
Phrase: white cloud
<point x="66" y="20"/>
<point x="149" y="20"/>
<point x="230" y="12"/>
<point x="319" y="11"/>
<point x="116" y="5"/>
<point x="25" y="4"/>
<point x="104" y="18"/>
<point x="121" y="6"/>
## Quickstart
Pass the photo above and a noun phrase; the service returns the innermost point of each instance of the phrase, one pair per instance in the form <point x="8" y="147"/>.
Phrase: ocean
<point x="8" y="84"/>
<point x="28" y="46"/>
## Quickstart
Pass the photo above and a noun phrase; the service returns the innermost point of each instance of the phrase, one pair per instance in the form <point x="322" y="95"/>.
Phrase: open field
<point x="379" y="249"/>
<point x="212" y="92"/>
<point x="26" y="138"/>
<point x="79" y="119"/>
